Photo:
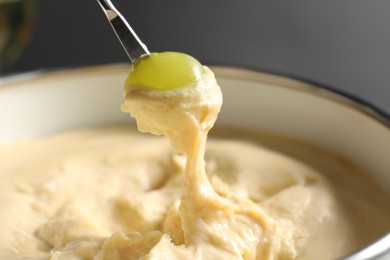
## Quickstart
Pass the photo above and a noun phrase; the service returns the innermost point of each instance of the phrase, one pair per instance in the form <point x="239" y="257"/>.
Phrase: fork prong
<point x="133" y="46"/>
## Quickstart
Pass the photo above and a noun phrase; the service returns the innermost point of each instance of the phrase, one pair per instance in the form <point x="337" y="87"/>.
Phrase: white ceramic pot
<point x="35" y="105"/>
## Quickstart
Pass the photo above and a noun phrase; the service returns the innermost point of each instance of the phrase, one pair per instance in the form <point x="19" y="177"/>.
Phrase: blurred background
<point x="343" y="44"/>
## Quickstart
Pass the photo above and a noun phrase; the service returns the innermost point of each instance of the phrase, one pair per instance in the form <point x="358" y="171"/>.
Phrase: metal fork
<point x="133" y="46"/>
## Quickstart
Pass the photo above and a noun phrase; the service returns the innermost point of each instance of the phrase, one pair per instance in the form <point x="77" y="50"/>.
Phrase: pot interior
<point x="37" y="106"/>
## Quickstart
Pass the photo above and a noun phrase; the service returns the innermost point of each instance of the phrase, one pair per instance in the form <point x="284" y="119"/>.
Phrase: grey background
<point x="344" y="44"/>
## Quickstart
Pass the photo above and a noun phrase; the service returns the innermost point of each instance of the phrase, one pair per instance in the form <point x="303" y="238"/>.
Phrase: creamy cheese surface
<point x="114" y="193"/>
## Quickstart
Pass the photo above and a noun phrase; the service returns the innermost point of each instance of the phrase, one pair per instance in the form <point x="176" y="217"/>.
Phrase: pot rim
<point x="279" y="78"/>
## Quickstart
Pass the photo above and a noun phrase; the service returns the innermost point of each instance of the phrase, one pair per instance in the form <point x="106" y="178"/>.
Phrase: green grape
<point x="164" y="71"/>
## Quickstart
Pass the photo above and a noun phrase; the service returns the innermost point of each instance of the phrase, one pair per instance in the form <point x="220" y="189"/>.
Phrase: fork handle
<point x="133" y="46"/>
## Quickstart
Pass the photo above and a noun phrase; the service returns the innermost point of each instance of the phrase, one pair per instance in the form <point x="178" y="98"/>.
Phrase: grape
<point x="164" y="71"/>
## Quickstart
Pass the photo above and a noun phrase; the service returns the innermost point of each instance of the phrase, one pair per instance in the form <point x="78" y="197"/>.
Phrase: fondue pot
<point x="37" y="104"/>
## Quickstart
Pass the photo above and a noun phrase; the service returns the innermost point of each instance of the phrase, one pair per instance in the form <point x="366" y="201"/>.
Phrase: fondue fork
<point x="133" y="46"/>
